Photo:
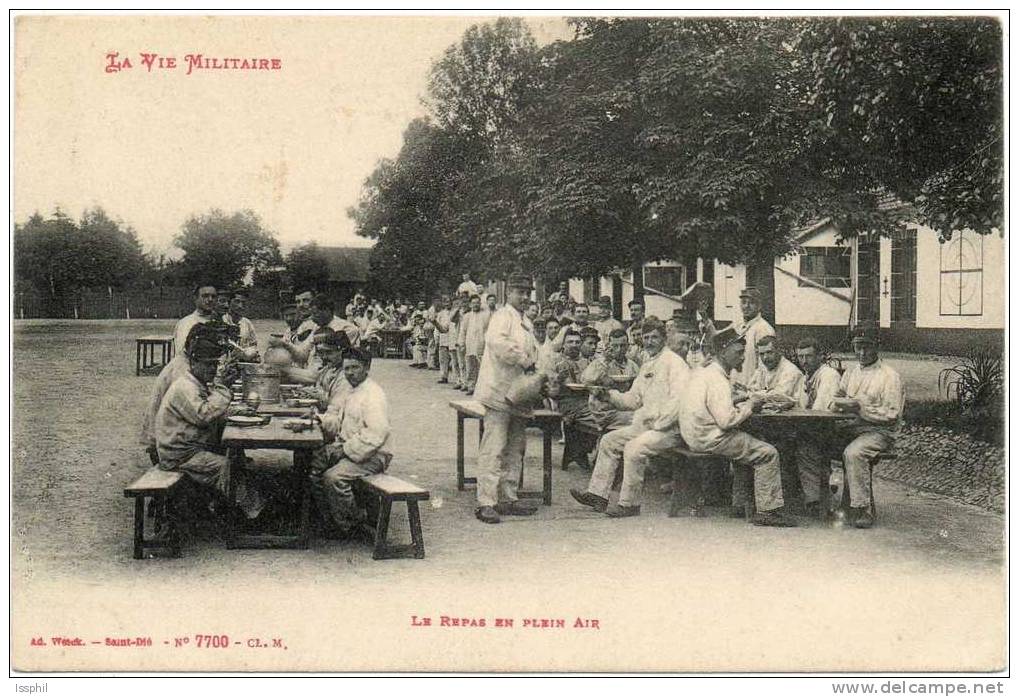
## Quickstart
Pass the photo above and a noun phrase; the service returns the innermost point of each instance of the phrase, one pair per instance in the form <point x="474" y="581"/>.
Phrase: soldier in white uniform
<point x="879" y="401"/>
<point x="780" y="383"/>
<point x="235" y="317"/>
<point x="821" y="386"/>
<point x="356" y="423"/>
<point x="205" y="305"/>
<point x="653" y="431"/>
<point x="443" y="324"/>
<point x="510" y="352"/>
<point x="754" y="328"/>
<point x="709" y="422"/>
<point x="776" y="377"/>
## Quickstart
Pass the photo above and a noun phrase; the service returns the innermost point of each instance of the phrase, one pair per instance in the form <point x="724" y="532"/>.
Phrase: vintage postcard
<point x="508" y="343"/>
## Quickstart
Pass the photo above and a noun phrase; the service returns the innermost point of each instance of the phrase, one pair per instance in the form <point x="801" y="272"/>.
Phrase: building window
<point x="664" y="279"/>
<point x="962" y="275"/>
<point x="825" y="266"/>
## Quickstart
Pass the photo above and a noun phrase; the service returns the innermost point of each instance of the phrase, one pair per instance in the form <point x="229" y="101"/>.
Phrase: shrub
<point x="976" y="383"/>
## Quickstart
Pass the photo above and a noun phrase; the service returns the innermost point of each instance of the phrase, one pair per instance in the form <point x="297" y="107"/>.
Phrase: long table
<point x="547" y="420"/>
<point x="273" y="436"/>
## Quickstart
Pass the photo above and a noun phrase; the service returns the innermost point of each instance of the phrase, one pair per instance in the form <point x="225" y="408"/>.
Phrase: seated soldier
<point x="812" y="449"/>
<point x="653" y="431"/>
<point x="777" y="378"/>
<point x="709" y="421"/>
<point x="419" y="342"/>
<point x="247" y="339"/>
<point x="177" y="367"/>
<point x="780" y="384"/>
<point x="878" y="399"/>
<point x="356" y="423"/>
<point x="604" y="371"/>
<point x="579" y="426"/>
<point x="190" y="420"/>
<point x="330" y="382"/>
<point x="589" y="339"/>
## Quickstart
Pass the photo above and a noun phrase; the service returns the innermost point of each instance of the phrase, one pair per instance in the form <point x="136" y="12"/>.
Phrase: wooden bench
<point x="157" y="486"/>
<point x="386" y="489"/>
<point x="683" y="484"/>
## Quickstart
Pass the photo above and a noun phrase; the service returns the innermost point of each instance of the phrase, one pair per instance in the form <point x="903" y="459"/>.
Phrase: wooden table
<point x="820" y="424"/>
<point x="394" y="342"/>
<point x="274" y="436"/>
<point x="547" y="420"/>
<point x="797" y="417"/>
<point x="145" y="353"/>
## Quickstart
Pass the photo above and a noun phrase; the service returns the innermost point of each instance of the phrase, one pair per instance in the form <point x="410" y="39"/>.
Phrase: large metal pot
<point x="263" y="380"/>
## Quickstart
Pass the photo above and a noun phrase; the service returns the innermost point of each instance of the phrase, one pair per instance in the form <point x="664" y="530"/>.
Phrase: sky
<point x="155" y="146"/>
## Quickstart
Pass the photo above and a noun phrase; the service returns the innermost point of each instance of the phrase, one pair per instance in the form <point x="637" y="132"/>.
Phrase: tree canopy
<point x="649" y="138"/>
<point x="225" y="249"/>
<point x="58" y="255"/>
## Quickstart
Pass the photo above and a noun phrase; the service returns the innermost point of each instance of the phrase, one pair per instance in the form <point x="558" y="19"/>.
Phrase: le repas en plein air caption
<point x="504" y="622"/>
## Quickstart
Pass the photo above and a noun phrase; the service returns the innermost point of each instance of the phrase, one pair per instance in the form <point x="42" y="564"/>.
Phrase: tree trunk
<point x="638" y="280"/>
<point x="761" y="275"/>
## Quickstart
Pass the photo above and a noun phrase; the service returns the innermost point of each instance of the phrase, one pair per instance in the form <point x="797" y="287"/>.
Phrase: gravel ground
<point x="923" y="590"/>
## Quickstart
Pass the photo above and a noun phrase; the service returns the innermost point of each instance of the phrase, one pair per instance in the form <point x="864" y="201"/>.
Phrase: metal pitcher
<point x="262" y="379"/>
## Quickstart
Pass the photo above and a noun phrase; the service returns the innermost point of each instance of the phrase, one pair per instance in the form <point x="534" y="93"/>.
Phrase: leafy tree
<point x="225" y="248"/>
<point x="308" y="266"/>
<point x="400" y="207"/>
<point x="916" y="105"/>
<point x="59" y="256"/>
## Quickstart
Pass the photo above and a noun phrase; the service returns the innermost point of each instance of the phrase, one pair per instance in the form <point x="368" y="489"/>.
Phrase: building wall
<point x="804" y="305"/>
<point x="932" y="311"/>
<point x="729" y="281"/>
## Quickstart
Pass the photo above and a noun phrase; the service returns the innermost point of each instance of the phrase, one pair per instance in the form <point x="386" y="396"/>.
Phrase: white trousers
<point x="633" y="447"/>
<point x="501" y="456"/>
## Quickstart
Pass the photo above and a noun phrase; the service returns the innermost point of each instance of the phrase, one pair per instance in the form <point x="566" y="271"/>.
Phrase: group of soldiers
<point x="191" y="400"/>
<point x="628" y="393"/>
<point x="694" y="387"/>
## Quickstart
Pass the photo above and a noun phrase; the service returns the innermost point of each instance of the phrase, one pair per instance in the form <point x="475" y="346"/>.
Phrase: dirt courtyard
<point x="924" y="590"/>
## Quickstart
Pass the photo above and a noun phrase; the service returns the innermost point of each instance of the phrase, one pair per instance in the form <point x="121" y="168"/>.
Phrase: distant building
<point x="348" y="272"/>
<point x="928" y="296"/>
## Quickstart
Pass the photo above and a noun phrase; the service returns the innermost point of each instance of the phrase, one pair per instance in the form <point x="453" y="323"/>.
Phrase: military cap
<point x="752" y="294"/>
<point x="866" y="331"/>
<point x="684" y="320"/>
<point x="519" y="280"/>
<point x="725" y="338"/>
<point x="358" y="354"/>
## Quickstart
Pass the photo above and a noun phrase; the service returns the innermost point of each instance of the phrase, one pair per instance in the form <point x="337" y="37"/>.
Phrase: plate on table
<point x="242" y="420"/>
<point x="301" y="402"/>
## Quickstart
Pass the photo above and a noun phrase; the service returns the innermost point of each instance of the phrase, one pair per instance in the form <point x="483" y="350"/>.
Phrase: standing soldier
<point x="510" y="352"/>
<point x="754" y="329"/>
<point x="443" y="322"/>
<point x="475" y="324"/>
